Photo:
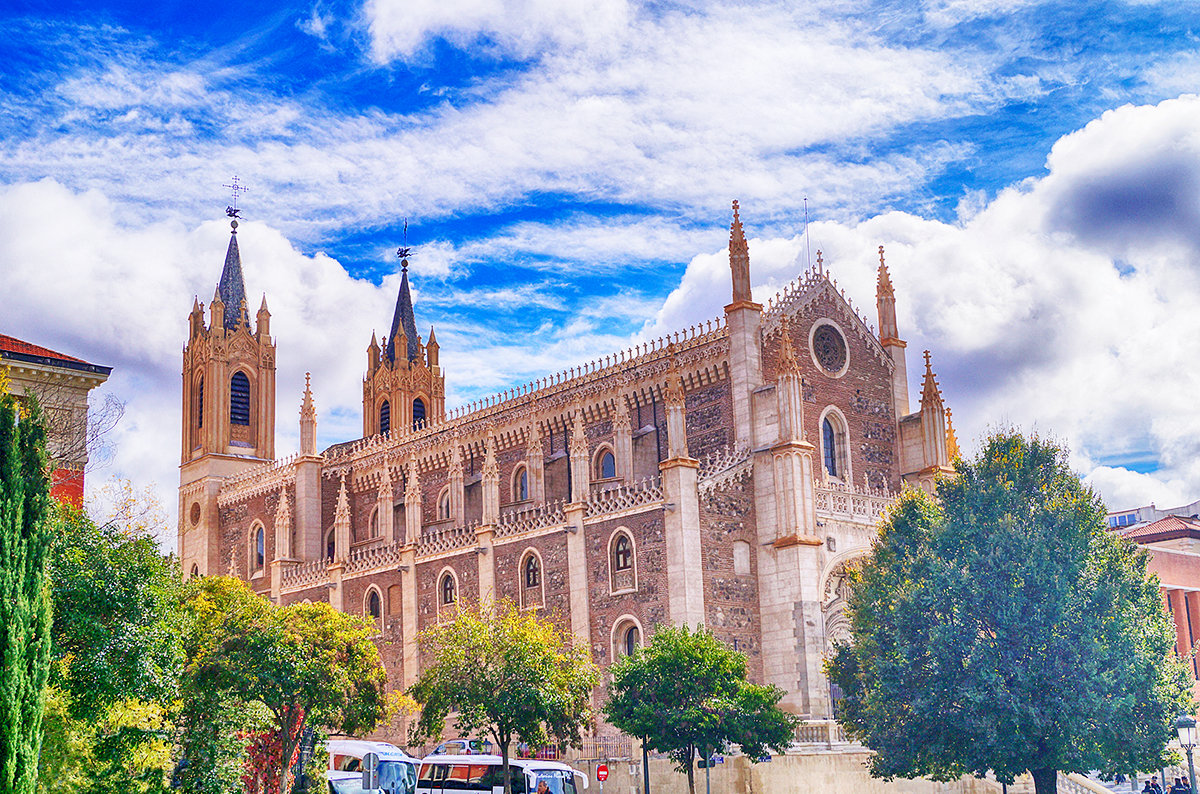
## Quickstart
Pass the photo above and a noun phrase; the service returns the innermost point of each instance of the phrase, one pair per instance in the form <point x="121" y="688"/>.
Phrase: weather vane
<point x="232" y="210"/>
<point x="404" y="252"/>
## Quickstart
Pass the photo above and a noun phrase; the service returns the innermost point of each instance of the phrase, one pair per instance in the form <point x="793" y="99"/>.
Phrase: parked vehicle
<point x="397" y="769"/>
<point x="463" y="747"/>
<point x="483" y="774"/>
<point x="344" y="782"/>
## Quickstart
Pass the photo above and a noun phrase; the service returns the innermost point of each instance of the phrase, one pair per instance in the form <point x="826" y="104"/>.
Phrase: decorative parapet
<point x="369" y="558"/>
<point x="723" y="466"/>
<point x="837" y="500"/>
<point x="600" y="373"/>
<point x="257" y="481"/>
<point x="620" y="500"/>
<point x="306" y="574"/>
<point x="531" y="519"/>
<point x="445" y="540"/>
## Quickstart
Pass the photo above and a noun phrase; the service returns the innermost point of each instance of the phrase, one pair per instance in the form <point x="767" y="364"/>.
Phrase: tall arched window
<point x="443" y="504"/>
<point x="195" y="571"/>
<point x="418" y="413"/>
<point x="239" y="399"/>
<point x="200" y="403"/>
<point x="385" y="417"/>
<point x="260" y="548"/>
<point x="449" y="596"/>
<point x="622" y="554"/>
<point x="374" y="607"/>
<point x="533" y="571"/>
<point x="606" y="466"/>
<point x="521" y="484"/>
<point x="631" y="640"/>
<point x="330" y="545"/>
<point x="374" y="525"/>
<point x="829" y="447"/>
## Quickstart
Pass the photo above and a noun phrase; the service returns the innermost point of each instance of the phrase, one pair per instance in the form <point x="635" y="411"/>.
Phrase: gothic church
<point x="724" y="475"/>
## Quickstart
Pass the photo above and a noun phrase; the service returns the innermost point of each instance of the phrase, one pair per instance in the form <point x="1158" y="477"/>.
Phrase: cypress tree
<point x="25" y="538"/>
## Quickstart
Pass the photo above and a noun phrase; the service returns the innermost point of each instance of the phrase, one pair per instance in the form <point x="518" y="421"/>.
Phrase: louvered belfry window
<point x="385" y="417"/>
<point x="239" y="399"/>
<point x="418" y="413"/>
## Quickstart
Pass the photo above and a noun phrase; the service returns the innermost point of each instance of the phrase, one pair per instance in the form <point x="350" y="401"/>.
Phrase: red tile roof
<point x="1163" y="529"/>
<point x="20" y="350"/>
<point x="10" y="344"/>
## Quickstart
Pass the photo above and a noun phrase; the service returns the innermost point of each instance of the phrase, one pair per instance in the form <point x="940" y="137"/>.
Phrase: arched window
<point x="195" y="571"/>
<point x="418" y="413"/>
<point x="330" y="545"/>
<point x="626" y="637"/>
<point x="239" y="399"/>
<point x="443" y="504"/>
<point x="631" y="640"/>
<point x="449" y="596"/>
<point x="606" y="465"/>
<point x="260" y="548"/>
<point x="374" y="523"/>
<point x="385" y="417"/>
<point x="829" y="447"/>
<point x="521" y="484"/>
<point x="373" y="608"/>
<point x="622" y="553"/>
<point x="533" y="571"/>
<point x="200" y="403"/>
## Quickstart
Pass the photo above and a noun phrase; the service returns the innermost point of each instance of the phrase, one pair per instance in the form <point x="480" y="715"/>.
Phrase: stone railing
<point x="840" y="501"/>
<point x="257" y="481"/>
<point x="313" y="572"/>
<point x="722" y="466"/>
<point x="368" y="558"/>
<point x="822" y="732"/>
<point x="616" y="500"/>
<point x="531" y="519"/>
<point x="446" y="540"/>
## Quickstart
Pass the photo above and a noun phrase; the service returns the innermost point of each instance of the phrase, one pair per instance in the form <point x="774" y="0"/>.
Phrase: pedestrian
<point x="1147" y="789"/>
<point x="1177" y="787"/>
<point x="1154" y="787"/>
<point x="1187" y="784"/>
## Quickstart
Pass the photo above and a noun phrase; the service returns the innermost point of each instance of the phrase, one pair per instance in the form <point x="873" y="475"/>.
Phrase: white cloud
<point x="1065" y="305"/>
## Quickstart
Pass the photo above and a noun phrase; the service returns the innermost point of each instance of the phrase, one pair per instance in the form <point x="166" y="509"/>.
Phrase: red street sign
<point x="602" y="772"/>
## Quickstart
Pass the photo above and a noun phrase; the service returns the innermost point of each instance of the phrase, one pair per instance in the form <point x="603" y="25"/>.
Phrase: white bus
<point x="482" y="774"/>
<point x="397" y="769"/>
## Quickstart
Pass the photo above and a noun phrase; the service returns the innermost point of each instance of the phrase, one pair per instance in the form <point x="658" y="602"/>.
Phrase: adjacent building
<point x="62" y="384"/>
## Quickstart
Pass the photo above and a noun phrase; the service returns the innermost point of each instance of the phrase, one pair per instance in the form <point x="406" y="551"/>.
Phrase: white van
<point x="397" y="769"/>
<point x="483" y="774"/>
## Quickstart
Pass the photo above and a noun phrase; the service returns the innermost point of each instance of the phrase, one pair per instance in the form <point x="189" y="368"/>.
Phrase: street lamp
<point x="1185" y="726"/>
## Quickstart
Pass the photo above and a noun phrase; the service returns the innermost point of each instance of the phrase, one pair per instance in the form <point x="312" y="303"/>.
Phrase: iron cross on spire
<point x="404" y="252"/>
<point x="232" y="210"/>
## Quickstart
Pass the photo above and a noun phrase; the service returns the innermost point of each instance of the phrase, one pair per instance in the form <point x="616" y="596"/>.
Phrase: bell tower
<point x="404" y="387"/>
<point x="228" y="408"/>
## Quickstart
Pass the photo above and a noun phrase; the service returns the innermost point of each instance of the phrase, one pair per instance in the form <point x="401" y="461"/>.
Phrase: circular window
<point x="195" y="513"/>
<point x="829" y="349"/>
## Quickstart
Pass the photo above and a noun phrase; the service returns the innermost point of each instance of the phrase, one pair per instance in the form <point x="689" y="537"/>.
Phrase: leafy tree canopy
<point x="308" y="664"/>
<point x="506" y="673"/>
<point x="1004" y="628"/>
<point x="687" y="692"/>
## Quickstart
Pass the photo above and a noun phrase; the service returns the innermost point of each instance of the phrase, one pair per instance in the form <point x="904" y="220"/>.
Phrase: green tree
<point x="25" y="538"/>
<point x="1004" y="628"/>
<point x="687" y="692"/>
<point x="507" y="673"/>
<point x="117" y="657"/>
<point x="307" y="664"/>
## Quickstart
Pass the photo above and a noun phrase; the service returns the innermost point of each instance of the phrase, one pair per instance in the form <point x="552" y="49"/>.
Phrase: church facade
<point x="725" y="474"/>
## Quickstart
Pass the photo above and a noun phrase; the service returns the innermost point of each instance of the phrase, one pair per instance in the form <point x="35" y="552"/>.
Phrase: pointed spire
<point x="308" y="420"/>
<point x="403" y="320"/>
<point x="431" y="348"/>
<point x="232" y="287"/>
<point x="884" y="284"/>
<point x="341" y="514"/>
<point x="951" y="437"/>
<point x="739" y="258"/>
<point x="787" y="356"/>
<point x="930" y="393"/>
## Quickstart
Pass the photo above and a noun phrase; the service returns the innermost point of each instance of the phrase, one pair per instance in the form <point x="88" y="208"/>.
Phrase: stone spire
<point x="739" y="259"/>
<point x="885" y="303"/>
<point x="930" y="393"/>
<point x="232" y="287"/>
<point x="934" y="433"/>
<point x="951" y="437"/>
<point x="308" y="420"/>
<point x="283" y="527"/>
<point x="341" y="523"/>
<point x="403" y="319"/>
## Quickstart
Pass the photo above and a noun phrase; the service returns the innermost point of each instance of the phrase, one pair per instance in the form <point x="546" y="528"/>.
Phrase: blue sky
<point x="566" y="171"/>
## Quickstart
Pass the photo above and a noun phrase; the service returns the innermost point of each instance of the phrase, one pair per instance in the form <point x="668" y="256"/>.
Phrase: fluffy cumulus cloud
<point x="1064" y="306"/>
